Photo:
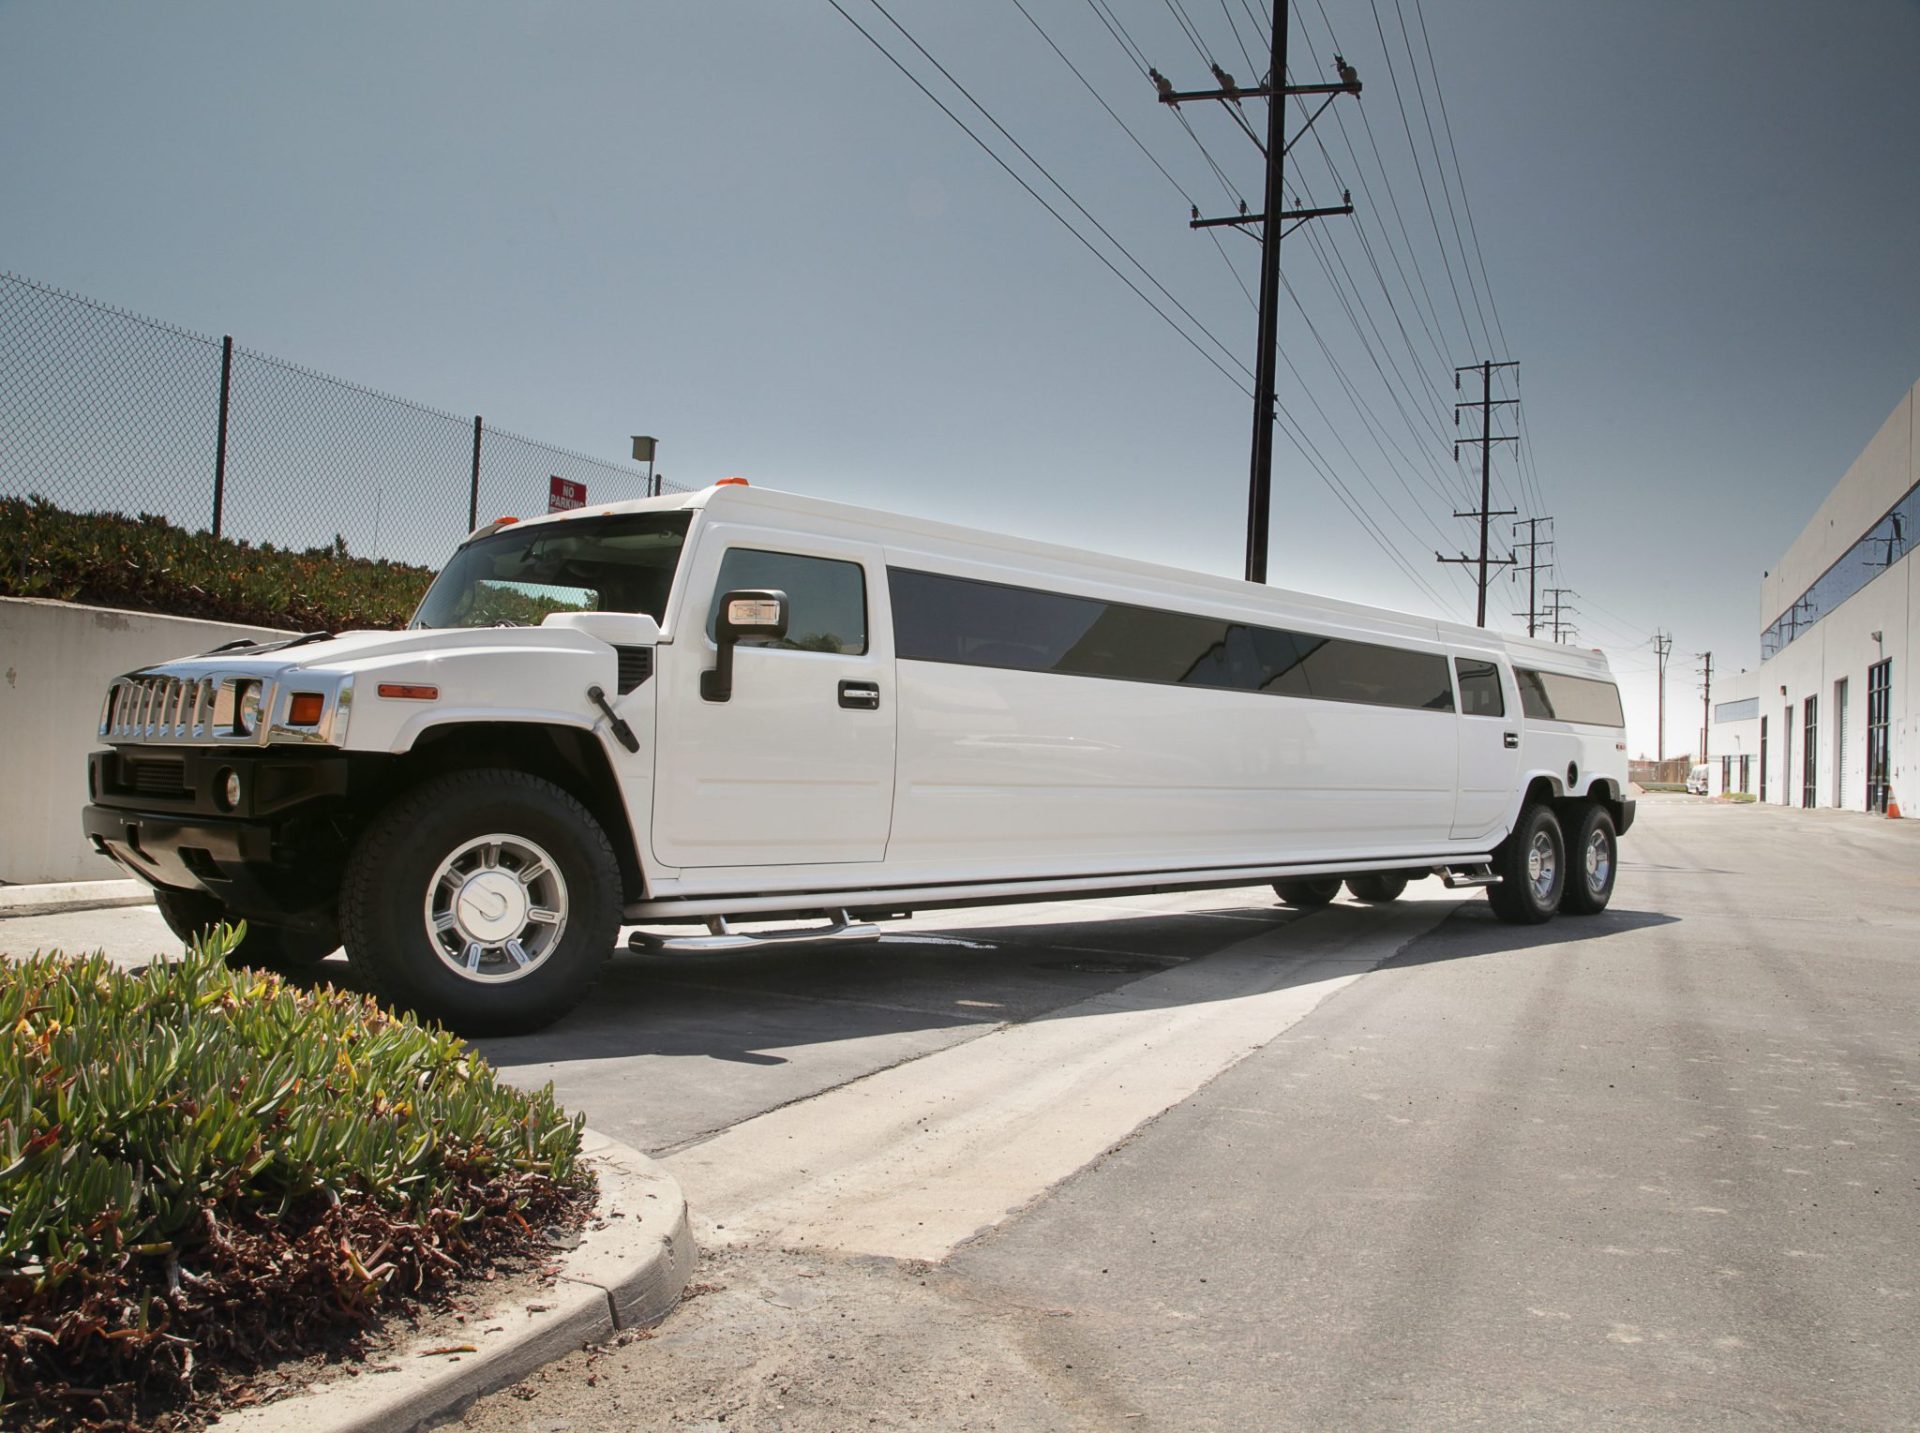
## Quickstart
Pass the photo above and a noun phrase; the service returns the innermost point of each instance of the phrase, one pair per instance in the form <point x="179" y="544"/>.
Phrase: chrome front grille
<point x="171" y="711"/>
<point x="192" y="705"/>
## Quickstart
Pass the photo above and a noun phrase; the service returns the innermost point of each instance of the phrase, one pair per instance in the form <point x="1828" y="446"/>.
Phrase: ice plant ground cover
<point x="148" y="565"/>
<point x="205" y="1170"/>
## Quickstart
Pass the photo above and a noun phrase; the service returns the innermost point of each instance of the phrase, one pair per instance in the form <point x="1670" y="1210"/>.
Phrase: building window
<point x="958" y="620"/>
<point x="1810" y="752"/>
<point x="1746" y="709"/>
<point x="826" y="599"/>
<point x="1884" y="544"/>
<point x="1879" y="706"/>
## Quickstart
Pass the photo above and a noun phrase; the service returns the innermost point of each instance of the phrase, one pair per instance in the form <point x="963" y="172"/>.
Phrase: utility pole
<point x="1662" y="649"/>
<point x="1275" y="91"/>
<point x="1706" y="700"/>
<point x="1487" y="439"/>
<point x="1533" y="566"/>
<point x="1557" y="608"/>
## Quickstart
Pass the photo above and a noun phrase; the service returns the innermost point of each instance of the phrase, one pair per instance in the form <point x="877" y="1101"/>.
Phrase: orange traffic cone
<point x="1893" y="806"/>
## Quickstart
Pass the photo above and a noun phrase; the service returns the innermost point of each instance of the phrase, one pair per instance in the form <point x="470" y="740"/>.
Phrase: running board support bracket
<point x="840" y="929"/>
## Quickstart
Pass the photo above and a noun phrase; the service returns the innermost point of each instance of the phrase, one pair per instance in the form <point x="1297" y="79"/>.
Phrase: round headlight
<point x="247" y="715"/>
<point x="230" y="790"/>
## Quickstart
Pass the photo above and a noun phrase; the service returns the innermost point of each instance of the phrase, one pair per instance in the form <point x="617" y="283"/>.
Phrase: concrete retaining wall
<point x="55" y="662"/>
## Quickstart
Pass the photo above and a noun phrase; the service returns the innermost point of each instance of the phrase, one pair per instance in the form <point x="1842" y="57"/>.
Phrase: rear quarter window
<point x="1555" y="696"/>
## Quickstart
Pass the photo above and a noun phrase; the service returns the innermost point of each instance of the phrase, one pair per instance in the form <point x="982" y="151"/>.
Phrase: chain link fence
<point x="102" y="410"/>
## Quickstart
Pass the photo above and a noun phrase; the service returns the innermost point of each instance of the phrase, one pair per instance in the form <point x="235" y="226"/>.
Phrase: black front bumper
<point x="161" y="812"/>
<point x="1624" y="821"/>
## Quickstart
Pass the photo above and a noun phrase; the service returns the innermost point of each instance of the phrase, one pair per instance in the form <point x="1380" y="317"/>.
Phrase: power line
<point x="1038" y="197"/>
<point x="1025" y="154"/>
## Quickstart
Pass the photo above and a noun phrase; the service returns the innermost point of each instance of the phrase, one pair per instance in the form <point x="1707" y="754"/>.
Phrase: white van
<point x="1698" y="780"/>
<point x="743" y="704"/>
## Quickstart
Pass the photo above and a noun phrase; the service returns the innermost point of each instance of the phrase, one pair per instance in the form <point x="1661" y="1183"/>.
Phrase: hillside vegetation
<point x="146" y="564"/>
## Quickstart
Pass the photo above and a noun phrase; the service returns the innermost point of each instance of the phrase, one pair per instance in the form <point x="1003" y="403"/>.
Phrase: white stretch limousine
<point x="742" y="704"/>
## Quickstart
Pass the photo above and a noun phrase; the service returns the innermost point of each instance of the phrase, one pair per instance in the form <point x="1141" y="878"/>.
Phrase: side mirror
<point x="746" y="613"/>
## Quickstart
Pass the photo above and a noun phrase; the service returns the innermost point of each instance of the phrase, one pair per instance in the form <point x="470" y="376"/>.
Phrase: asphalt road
<point x="1202" y="1162"/>
<point x="1655" y="1169"/>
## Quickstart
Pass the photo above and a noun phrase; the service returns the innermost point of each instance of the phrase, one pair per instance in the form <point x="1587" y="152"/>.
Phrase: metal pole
<point x="1486" y="492"/>
<point x="220" y="442"/>
<point x="1260" y="479"/>
<point x="473" y="486"/>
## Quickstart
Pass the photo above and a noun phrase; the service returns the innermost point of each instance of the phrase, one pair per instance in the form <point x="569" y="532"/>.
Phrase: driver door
<point x="796" y="767"/>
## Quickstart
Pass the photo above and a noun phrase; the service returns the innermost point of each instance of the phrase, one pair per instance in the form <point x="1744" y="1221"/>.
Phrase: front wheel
<point x="484" y="899"/>
<point x="1307" y="892"/>
<point x="1532" y="866"/>
<point x="1595" y="857"/>
<point x="191" y="914"/>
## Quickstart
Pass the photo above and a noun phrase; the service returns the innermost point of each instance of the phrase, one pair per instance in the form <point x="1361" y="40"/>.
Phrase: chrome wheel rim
<point x="496" y="909"/>
<point x="1542" y="865"/>
<point x="1599" y="861"/>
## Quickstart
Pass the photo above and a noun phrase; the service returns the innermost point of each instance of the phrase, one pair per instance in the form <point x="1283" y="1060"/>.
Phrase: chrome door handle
<point x="1513" y="741"/>
<point x="860" y="696"/>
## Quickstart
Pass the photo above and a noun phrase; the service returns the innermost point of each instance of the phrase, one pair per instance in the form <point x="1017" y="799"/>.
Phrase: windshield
<point x="520" y="575"/>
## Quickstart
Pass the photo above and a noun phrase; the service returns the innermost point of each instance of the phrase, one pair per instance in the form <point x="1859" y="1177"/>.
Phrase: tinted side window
<point x="985" y="624"/>
<point x="826" y="599"/>
<point x="1554" y="696"/>
<point x="1480" y="688"/>
<point x="1343" y="671"/>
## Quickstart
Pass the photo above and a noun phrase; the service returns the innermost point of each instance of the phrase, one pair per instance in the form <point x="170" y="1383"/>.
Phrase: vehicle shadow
<point x="1474" y="930"/>
<point x="670" y="1047"/>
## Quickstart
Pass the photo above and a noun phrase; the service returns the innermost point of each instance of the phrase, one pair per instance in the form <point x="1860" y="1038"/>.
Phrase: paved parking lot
<point x="1367" y="1167"/>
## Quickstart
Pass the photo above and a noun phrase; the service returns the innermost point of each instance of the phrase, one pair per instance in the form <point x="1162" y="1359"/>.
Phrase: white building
<point x="1835" y="698"/>
<point x="1733" y="745"/>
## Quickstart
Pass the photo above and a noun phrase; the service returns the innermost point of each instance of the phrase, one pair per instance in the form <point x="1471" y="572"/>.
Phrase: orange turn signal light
<point x="408" y="692"/>
<point x="732" y="483"/>
<point x="305" y="709"/>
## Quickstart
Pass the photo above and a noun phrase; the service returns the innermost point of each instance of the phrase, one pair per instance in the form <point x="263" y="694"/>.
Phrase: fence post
<point x="473" y="488"/>
<point x="220" y="443"/>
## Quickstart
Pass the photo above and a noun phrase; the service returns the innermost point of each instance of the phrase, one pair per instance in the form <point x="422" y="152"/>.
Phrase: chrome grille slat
<point x="199" y="707"/>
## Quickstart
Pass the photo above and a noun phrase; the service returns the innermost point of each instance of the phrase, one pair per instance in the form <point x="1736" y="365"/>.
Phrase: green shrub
<point x="196" y="1161"/>
<point x="148" y="565"/>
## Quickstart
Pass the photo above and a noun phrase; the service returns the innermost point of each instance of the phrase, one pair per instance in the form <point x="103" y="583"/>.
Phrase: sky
<point x="741" y="228"/>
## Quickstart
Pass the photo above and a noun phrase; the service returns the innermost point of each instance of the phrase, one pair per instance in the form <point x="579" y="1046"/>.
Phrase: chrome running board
<point x="721" y="936"/>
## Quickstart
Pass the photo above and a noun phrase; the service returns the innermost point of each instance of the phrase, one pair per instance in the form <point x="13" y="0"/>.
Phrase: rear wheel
<point x="1594" y="855"/>
<point x="1376" y="887"/>
<point x="487" y="900"/>
<point x="1308" y="892"/>
<point x="1532" y="866"/>
<point x="190" y="914"/>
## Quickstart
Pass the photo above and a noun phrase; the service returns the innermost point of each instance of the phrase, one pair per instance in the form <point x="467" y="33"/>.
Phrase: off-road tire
<point x="1521" y="897"/>
<point x="1593" y="860"/>
<point x="1307" y="893"/>
<point x="190" y="914"/>
<point x="390" y="887"/>
<point x="1377" y="887"/>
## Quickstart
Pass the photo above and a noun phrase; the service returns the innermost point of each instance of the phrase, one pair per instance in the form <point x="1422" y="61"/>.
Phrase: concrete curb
<point x="627" y="1272"/>
<point x="59" y="896"/>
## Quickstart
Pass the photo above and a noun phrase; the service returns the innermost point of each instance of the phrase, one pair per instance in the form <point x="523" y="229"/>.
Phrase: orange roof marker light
<point x="732" y="483"/>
